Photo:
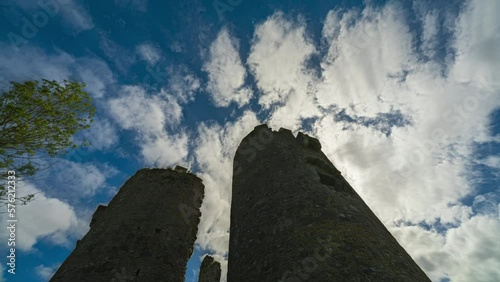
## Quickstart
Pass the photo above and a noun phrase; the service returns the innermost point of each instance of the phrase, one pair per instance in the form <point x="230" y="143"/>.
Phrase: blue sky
<point x="404" y="97"/>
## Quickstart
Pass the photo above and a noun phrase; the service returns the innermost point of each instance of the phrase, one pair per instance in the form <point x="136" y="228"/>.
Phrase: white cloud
<point x="226" y="74"/>
<point x="165" y="150"/>
<point x="149" y="53"/>
<point x="478" y="35"/>
<point x="214" y="152"/>
<point x="149" y="115"/>
<point x="476" y="248"/>
<point x="491" y="161"/>
<point x="137" y="109"/>
<point x="45" y="272"/>
<point x="430" y="33"/>
<point x="364" y="50"/>
<point x="278" y="60"/>
<point x="45" y="217"/>
<point x="469" y="252"/>
<point x="102" y="134"/>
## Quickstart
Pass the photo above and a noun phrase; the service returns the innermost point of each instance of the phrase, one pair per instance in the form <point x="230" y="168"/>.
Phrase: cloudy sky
<point x="404" y="97"/>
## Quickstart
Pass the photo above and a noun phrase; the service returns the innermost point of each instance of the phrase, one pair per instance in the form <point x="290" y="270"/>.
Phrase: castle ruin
<point x="146" y="233"/>
<point x="293" y="218"/>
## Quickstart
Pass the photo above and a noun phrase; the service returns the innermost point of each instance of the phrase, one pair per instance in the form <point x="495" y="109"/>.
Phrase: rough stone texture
<point x="146" y="233"/>
<point x="210" y="270"/>
<point x="295" y="218"/>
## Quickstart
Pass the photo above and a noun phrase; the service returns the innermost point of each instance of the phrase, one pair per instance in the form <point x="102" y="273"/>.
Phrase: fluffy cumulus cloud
<point x="45" y="218"/>
<point x="150" y="116"/>
<point x="226" y="74"/>
<point x="278" y="60"/>
<point x="366" y="53"/>
<point x="214" y="152"/>
<point x="465" y="253"/>
<point x="165" y="150"/>
<point x="398" y="117"/>
<point x="149" y="53"/>
<point x="137" y="109"/>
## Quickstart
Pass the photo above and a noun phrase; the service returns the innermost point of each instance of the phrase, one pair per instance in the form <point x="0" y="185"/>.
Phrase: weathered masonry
<point x="295" y="218"/>
<point x="146" y="233"/>
<point x="210" y="270"/>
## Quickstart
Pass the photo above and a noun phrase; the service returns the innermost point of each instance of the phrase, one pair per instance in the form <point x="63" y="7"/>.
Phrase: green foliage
<point x="37" y="120"/>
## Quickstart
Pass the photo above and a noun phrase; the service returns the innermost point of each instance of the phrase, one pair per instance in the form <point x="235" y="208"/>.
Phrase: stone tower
<point x="146" y="233"/>
<point x="295" y="218"/>
<point x="210" y="270"/>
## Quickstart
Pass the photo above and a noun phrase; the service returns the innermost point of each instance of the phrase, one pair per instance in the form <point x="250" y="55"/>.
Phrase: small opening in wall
<point x="327" y="180"/>
<point x="337" y="183"/>
<point x="157" y="230"/>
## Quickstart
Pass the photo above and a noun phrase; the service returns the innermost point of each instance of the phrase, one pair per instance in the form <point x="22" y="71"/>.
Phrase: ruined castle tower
<point x="295" y="218"/>
<point x="146" y="233"/>
<point x="210" y="270"/>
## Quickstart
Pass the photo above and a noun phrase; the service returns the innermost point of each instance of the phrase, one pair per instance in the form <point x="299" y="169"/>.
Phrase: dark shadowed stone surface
<point x="146" y="233"/>
<point x="295" y="218"/>
<point x="210" y="270"/>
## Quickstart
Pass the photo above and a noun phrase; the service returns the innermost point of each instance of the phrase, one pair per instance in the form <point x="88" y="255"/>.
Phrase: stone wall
<point x="295" y="218"/>
<point x="146" y="233"/>
<point x="210" y="270"/>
